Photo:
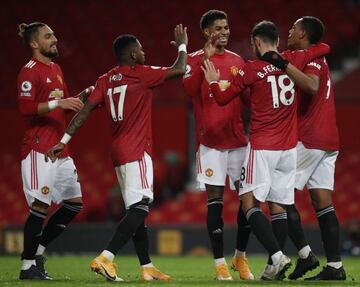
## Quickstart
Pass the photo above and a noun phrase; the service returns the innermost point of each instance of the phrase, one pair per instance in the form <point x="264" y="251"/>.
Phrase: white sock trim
<point x="219" y="261"/>
<point x="26" y="264"/>
<point x="276" y="257"/>
<point x="108" y="255"/>
<point x="336" y="265"/>
<point x="304" y="252"/>
<point x="40" y="250"/>
<point x="148" y="265"/>
<point x="239" y="253"/>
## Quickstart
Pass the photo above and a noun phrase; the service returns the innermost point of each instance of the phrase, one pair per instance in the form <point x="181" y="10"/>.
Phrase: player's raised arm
<point x="212" y="76"/>
<point x="76" y="122"/>
<point x="181" y="41"/>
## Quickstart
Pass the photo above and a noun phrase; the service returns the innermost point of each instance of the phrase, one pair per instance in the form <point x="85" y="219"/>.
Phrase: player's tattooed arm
<point x="80" y="118"/>
<point x="77" y="121"/>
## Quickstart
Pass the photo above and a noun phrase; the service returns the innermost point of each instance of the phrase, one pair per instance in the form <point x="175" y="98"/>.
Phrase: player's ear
<point x="133" y="55"/>
<point x="206" y="32"/>
<point x="34" y="44"/>
<point x="277" y="42"/>
<point x="302" y="34"/>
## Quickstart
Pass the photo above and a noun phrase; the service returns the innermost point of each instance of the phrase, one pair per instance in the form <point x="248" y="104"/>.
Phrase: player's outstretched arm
<point x="212" y="76"/>
<point x="181" y="41"/>
<point x="29" y="108"/>
<point x="76" y="122"/>
<point x="308" y="83"/>
<point x="84" y="94"/>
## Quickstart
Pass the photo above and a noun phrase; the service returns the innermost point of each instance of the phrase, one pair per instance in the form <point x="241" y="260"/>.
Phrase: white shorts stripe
<point x="47" y="181"/>
<point x="136" y="180"/>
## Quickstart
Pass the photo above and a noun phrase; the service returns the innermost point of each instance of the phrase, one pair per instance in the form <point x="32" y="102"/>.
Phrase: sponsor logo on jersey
<point x="224" y="84"/>
<point x="116" y="77"/>
<point x="48" y="80"/>
<point x="56" y="94"/>
<point x="26" y="86"/>
<point x="209" y="172"/>
<point x="234" y="70"/>
<point x="45" y="190"/>
<point x="59" y="79"/>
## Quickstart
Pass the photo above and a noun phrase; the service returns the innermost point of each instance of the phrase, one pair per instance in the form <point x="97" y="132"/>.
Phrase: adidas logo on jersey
<point x="217" y="231"/>
<point x="48" y="80"/>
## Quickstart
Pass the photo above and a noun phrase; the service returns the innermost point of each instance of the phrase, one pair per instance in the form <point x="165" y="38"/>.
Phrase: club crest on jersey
<point x="116" y="77"/>
<point x="209" y="172"/>
<point x="26" y="86"/>
<point x="234" y="70"/>
<point x="56" y="94"/>
<point x="45" y="190"/>
<point x="224" y="84"/>
<point x="59" y="79"/>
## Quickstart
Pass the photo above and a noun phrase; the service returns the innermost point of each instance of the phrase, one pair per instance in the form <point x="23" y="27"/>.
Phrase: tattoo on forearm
<point x="79" y="119"/>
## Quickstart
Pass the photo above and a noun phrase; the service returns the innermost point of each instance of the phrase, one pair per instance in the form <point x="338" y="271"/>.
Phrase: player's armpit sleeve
<point x="152" y="76"/>
<point x="193" y="78"/>
<point x="97" y="96"/>
<point x="224" y="97"/>
<point x="28" y="107"/>
<point x="301" y="58"/>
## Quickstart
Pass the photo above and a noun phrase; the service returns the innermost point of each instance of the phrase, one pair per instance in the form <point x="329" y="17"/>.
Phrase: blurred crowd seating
<point x="86" y="30"/>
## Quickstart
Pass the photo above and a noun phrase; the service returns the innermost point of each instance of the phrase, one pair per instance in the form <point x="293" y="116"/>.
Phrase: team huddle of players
<point x="293" y="142"/>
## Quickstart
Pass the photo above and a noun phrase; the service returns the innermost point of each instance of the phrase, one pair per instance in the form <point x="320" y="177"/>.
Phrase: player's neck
<point x="41" y="58"/>
<point x="220" y="50"/>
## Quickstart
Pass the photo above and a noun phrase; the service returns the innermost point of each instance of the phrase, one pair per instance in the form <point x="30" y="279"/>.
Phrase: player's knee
<point x="140" y="207"/>
<point x="320" y="198"/>
<point x="73" y="205"/>
<point x="74" y="200"/>
<point x="248" y="201"/>
<point x="214" y="191"/>
<point x="276" y="208"/>
<point x="40" y="206"/>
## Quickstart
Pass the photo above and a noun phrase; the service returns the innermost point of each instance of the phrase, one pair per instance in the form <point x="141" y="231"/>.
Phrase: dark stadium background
<point x="85" y="30"/>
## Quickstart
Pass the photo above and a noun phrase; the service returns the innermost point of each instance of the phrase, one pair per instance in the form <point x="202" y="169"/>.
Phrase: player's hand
<point x="84" y="94"/>
<point x="72" y="103"/>
<point x="54" y="152"/>
<point x="180" y="36"/>
<point x="210" y="46"/>
<point x="210" y="72"/>
<point x="275" y="59"/>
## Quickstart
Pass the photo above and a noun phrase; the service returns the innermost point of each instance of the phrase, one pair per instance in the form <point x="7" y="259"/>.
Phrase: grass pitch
<point x="185" y="271"/>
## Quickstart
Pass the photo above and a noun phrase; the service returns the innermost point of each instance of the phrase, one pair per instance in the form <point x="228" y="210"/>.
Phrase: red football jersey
<point x="127" y="94"/>
<point x="37" y="83"/>
<point x="272" y="94"/>
<point x="316" y="114"/>
<point x="219" y="127"/>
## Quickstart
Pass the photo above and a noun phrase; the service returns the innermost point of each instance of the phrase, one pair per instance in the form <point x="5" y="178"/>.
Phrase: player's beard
<point x="49" y="54"/>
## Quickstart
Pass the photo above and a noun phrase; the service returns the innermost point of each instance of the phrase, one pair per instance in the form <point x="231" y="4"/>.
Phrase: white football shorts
<point x="49" y="182"/>
<point x="136" y="180"/>
<point x="315" y="168"/>
<point x="269" y="175"/>
<point x="214" y="165"/>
